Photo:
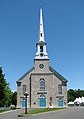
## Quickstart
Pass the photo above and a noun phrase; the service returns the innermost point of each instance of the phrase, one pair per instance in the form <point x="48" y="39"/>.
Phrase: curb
<point x="24" y="115"/>
<point x="7" y="111"/>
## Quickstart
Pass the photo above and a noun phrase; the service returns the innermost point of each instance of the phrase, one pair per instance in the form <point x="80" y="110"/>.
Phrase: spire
<point x="41" y="33"/>
<point x="41" y="44"/>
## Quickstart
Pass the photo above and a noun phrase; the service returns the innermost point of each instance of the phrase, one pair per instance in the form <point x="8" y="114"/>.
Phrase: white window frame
<point x="59" y="89"/>
<point x="23" y="88"/>
<point x="42" y="84"/>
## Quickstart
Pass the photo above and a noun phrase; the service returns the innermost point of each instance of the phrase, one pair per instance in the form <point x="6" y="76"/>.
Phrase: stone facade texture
<point x="32" y="81"/>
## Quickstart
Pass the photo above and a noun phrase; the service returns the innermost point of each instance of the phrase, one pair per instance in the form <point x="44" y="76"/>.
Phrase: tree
<point x="73" y="94"/>
<point x="8" y="97"/>
<point x="5" y="92"/>
<point x="14" y="98"/>
<point x="3" y="84"/>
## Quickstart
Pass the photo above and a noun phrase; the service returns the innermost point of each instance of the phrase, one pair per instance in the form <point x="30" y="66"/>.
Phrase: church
<point x="45" y="86"/>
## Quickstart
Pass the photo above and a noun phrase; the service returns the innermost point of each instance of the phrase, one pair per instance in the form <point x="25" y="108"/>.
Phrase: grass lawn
<point x="42" y="110"/>
<point x="4" y="110"/>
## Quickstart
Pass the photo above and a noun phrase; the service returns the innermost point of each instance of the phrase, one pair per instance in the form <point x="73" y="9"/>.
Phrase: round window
<point x="41" y="66"/>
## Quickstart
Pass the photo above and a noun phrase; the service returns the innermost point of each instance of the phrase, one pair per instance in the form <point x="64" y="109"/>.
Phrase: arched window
<point x="42" y="84"/>
<point x="42" y="96"/>
<point x="24" y="88"/>
<point x="41" y="48"/>
<point x="59" y="89"/>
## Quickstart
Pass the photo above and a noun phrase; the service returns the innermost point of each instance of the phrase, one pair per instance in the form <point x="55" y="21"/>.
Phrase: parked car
<point x="12" y="107"/>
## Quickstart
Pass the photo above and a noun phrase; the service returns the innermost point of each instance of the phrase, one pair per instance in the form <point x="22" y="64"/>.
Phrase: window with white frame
<point x="59" y="89"/>
<point x="42" y="84"/>
<point x="24" y="89"/>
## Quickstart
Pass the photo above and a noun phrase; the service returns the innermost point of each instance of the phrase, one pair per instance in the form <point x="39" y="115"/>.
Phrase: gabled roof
<point x="19" y="80"/>
<point x="51" y="69"/>
<point x="57" y="74"/>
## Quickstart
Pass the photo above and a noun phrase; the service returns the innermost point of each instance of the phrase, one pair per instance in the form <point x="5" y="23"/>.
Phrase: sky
<point x="64" y="35"/>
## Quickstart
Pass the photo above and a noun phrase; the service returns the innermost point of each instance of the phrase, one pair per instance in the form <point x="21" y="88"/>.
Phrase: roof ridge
<point x="25" y="74"/>
<point x="58" y="74"/>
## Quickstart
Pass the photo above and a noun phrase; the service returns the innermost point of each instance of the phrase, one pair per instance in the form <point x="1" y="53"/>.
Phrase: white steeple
<point x="41" y="33"/>
<point x="41" y="44"/>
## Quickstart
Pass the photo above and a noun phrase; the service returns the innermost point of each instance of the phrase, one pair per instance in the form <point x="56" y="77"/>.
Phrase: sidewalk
<point x="11" y="111"/>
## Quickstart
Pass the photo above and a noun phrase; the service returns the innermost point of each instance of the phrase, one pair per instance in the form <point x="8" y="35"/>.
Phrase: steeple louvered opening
<point x="41" y="48"/>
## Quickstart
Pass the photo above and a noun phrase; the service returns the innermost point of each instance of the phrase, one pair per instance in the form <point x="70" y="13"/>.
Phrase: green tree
<point x="82" y="93"/>
<point x="14" y="98"/>
<point x="3" y="84"/>
<point x="8" y="97"/>
<point x="79" y="93"/>
<point x="73" y="94"/>
<point x="5" y="92"/>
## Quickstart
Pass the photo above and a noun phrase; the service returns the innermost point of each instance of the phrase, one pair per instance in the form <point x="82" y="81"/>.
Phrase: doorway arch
<point x="42" y="101"/>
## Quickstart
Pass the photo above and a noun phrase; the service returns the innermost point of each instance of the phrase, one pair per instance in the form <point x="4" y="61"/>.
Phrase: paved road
<point x="10" y="115"/>
<point x="70" y="113"/>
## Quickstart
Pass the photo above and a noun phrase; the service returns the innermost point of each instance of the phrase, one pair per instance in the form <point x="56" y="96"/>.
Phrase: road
<point x="70" y="113"/>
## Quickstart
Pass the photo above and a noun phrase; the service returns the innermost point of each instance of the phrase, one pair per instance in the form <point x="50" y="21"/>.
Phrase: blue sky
<point x="64" y="34"/>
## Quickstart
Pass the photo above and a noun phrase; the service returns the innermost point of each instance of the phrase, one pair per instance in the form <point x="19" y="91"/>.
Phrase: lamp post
<point x="26" y="94"/>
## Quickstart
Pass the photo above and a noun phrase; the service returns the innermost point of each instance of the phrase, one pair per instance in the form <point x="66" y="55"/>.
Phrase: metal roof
<point x="57" y="74"/>
<point x="25" y="74"/>
<point x="51" y="69"/>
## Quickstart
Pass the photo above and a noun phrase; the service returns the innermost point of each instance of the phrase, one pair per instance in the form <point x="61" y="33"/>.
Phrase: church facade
<point x="45" y="86"/>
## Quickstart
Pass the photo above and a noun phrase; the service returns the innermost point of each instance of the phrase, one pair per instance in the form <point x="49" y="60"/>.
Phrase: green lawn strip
<point x="36" y="111"/>
<point x="4" y="110"/>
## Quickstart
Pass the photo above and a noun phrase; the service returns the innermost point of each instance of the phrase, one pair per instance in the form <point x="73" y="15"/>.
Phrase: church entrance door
<point x="42" y="101"/>
<point x="23" y="103"/>
<point x="60" y="102"/>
